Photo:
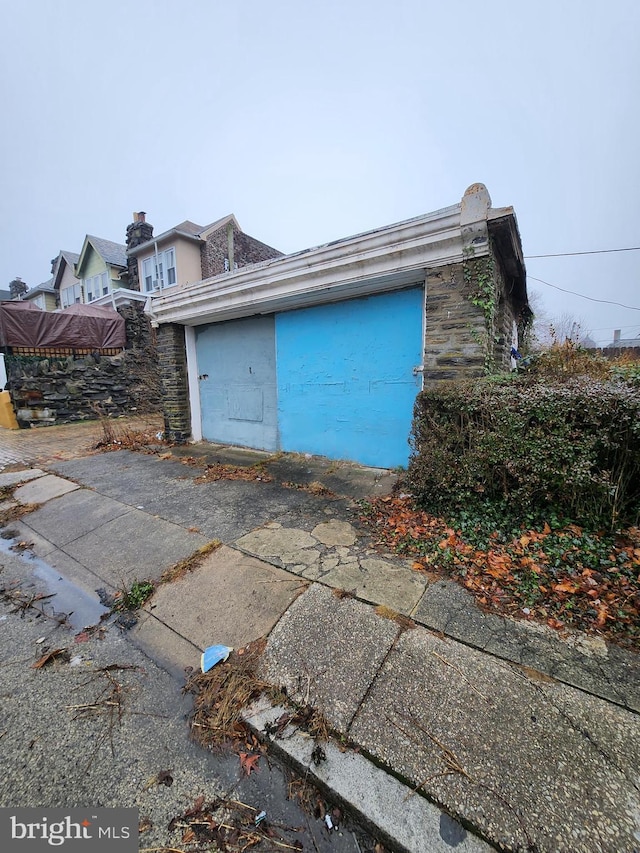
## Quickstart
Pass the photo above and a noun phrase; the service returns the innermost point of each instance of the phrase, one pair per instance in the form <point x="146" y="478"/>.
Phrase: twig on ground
<point x="463" y="676"/>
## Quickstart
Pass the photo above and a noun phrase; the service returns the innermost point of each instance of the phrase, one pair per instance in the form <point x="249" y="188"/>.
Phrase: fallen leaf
<point x="249" y="762"/>
<point x="196" y="808"/>
<point x="165" y="778"/>
<point x="49" y="656"/>
<point x="565" y="586"/>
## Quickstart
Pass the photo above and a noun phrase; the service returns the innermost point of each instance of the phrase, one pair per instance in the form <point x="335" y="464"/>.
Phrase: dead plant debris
<point x="314" y="488"/>
<point x="118" y="437"/>
<point x="15" y="512"/>
<point x="400" y="619"/>
<point x="218" y="471"/>
<point x="562" y="575"/>
<point x="108" y="703"/>
<point x="50" y="656"/>
<point x="221" y="695"/>
<point x="189" y="564"/>
<point x="233" y="827"/>
<point x="23" y="602"/>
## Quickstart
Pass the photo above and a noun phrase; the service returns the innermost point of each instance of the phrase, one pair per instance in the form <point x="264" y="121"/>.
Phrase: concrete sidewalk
<point x="529" y="740"/>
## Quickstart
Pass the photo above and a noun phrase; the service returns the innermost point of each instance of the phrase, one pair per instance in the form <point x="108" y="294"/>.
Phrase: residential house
<point x="5" y="295"/>
<point x="323" y="351"/>
<point x="67" y="286"/>
<point x="619" y="342"/>
<point x="43" y="295"/>
<point x="188" y="253"/>
<point x="101" y="267"/>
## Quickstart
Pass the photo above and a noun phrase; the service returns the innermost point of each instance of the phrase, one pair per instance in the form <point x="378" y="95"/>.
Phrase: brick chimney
<point x="138" y="232"/>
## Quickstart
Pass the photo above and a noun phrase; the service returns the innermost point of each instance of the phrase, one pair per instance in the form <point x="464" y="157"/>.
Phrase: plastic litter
<point x="260" y="817"/>
<point x="213" y="655"/>
<point x="328" y="821"/>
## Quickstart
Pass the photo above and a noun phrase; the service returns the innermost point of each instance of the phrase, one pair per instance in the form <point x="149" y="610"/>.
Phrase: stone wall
<point x="455" y="329"/>
<point x="64" y="389"/>
<point x="246" y="250"/>
<point x="172" y="359"/>
<point x="469" y="320"/>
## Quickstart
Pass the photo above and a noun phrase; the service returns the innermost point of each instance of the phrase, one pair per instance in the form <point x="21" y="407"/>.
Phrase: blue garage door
<point x="236" y="366"/>
<point x="346" y="386"/>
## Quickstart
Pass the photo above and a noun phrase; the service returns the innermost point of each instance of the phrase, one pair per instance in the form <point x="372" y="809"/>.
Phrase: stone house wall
<point x="246" y="250"/>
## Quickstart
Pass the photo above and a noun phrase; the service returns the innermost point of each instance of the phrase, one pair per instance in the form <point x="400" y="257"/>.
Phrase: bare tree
<point x="548" y="330"/>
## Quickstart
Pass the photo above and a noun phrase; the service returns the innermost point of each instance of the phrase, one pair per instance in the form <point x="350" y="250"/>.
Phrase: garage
<point x="335" y="380"/>
<point x="346" y="385"/>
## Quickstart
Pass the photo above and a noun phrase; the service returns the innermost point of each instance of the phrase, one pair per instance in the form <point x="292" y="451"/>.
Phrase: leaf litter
<point x="563" y="575"/>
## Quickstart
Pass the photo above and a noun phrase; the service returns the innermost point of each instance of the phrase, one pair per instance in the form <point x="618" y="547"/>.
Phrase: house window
<point x="39" y="301"/>
<point x="71" y="295"/>
<point x="96" y="286"/>
<point x="159" y="270"/>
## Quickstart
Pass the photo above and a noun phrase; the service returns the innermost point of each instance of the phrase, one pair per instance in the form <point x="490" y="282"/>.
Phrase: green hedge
<point x="569" y="445"/>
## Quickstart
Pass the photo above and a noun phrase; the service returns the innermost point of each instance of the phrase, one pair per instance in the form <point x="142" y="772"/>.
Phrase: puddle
<point x="81" y="609"/>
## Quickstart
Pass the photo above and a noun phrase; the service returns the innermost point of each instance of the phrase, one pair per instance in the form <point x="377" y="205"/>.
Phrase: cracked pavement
<point x="529" y="738"/>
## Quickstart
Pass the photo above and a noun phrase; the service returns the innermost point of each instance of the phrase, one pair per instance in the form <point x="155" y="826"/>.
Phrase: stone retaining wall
<point x="65" y="389"/>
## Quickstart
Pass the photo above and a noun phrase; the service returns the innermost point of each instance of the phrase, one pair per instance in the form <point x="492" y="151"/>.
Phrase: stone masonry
<point x="138" y="232"/>
<point x="172" y="359"/>
<point x="246" y="250"/>
<point x="64" y="389"/>
<point x="455" y="328"/>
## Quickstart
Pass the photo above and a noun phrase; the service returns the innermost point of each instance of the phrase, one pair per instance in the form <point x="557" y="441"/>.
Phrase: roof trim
<point x="384" y="259"/>
<point x="162" y="238"/>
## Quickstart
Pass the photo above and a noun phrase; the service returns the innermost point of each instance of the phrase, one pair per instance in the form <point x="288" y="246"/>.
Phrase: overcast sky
<point x="315" y="121"/>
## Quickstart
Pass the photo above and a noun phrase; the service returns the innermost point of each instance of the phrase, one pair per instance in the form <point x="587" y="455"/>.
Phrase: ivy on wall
<point x="480" y="280"/>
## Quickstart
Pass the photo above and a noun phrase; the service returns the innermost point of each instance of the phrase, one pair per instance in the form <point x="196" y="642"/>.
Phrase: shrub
<point x="541" y="442"/>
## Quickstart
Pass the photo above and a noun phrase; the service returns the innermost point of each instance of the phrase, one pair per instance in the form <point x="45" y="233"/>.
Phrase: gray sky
<point x="314" y="121"/>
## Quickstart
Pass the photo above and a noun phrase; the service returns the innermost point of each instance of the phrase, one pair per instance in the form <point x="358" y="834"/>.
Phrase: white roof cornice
<point x="385" y="259"/>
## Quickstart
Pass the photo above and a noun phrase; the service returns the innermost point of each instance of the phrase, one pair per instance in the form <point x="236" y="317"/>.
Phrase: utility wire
<point x="582" y="296"/>
<point x="594" y="252"/>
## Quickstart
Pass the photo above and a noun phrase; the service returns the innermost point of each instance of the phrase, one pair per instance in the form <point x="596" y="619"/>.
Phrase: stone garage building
<point x="323" y="351"/>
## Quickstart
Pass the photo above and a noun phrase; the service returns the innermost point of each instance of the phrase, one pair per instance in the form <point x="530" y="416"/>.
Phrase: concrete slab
<point x="345" y="479"/>
<point x="134" y="546"/>
<point x="230" y="598"/>
<point x="73" y="515"/>
<point x="14" y="477"/>
<point x="87" y="579"/>
<point x="379" y="582"/>
<point x="326" y="651"/>
<point x="43" y="489"/>
<point x="540" y="765"/>
<point x="584" y="661"/>
<point x="387" y="807"/>
<point x="283" y="543"/>
<point x="166" y="647"/>
<point x="221" y="510"/>
<point x="19" y="531"/>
